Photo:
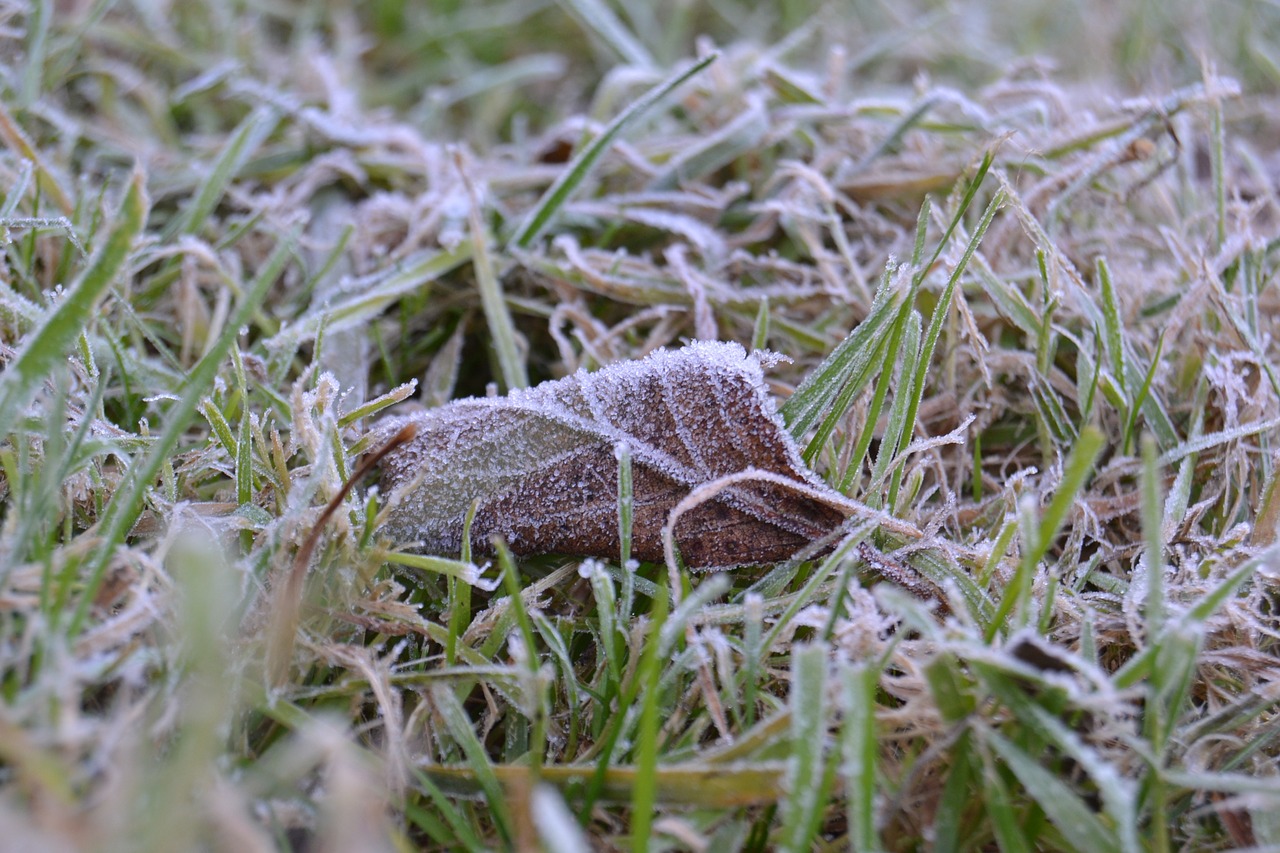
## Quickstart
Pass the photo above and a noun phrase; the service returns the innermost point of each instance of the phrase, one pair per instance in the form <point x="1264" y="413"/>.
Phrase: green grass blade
<point x="1118" y="793"/>
<point x="548" y="207"/>
<point x="48" y="345"/>
<point x="760" y="331"/>
<point x="244" y="462"/>
<point x="1041" y="535"/>
<point x="644" y="794"/>
<point x="848" y="361"/>
<point x="908" y="121"/>
<point x="739" y="138"/>
<point x="853" y="386"/>
<point x="805" y="767"/>
<point x="248" y="137"/>
<point x="859" y="772"/>
<point x="1153" y="538"/>
<point x="502" y="331"/>
<point x="915" y="390"/>
<point x="383" y="290"/>
<point x="463" y="570"/>
<point x="626" y="507"/>
<point x="39" y="14"/>
<point x="462" y="731"/>
<point x="126" y="502"/>
<point x="220" y="427"/>
<point x="600" y="20"/>
<point x="1113" y="325"/>
<point x="906" y="359"/>
<point x="999" y="805"/>
<point x="463" y="834"/>
<point x="1068" y="813"/>
<point x="821" y="574"/>
<point x="1141" y="396"/>
<point x="957" y="798"/>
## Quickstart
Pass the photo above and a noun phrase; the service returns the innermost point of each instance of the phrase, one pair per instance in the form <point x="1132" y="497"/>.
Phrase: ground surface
<point x="1022" y="258"/>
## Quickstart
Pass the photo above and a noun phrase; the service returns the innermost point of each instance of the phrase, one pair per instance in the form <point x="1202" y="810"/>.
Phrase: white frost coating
<point x="695" y="415"/>
<point x="473" y="575"/>
<point x="590" y="568"/>
<point x="767" y="358"/>
<point x="556" y="825"/>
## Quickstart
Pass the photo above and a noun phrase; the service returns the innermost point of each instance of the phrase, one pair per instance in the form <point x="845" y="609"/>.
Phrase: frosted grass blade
<point x="48" y="344"/>
<point x="1066" y="811"/>
<point x="548" y="207"/>
<point x="126" y="502"/>
<point x="597" y="17"/>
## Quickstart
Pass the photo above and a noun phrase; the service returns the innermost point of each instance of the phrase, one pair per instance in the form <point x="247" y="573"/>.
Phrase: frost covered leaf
<point x="541" y="465"/>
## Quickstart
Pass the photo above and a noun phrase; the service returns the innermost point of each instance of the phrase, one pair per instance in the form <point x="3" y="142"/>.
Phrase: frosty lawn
<point x="1024" y="591"/>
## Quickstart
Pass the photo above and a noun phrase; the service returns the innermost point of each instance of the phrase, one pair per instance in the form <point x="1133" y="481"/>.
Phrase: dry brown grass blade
<point x="288" y="599"/>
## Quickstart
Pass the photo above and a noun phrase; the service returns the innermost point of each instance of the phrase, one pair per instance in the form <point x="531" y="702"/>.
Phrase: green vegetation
<point x="1029" y="308"/>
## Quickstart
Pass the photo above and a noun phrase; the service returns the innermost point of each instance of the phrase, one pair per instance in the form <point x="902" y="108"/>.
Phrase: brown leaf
<point x="541" y="464"/>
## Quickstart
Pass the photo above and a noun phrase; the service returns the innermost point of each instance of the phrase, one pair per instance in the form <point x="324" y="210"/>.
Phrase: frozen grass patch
<point x="1028" y="311"/>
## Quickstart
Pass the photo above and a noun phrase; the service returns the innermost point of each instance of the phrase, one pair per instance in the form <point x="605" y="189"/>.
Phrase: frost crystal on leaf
<point x="540" y="465"/>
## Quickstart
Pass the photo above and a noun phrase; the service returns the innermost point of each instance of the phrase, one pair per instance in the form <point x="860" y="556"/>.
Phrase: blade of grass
<point x="1113" y="326"/>
<point x="824" y="571"/>
<point x="47" y="345"/>
<point x="644" y="794"/>
<point x="462" y="731"/>
<point x="808" y="736"/>
<point x="456" y="834"/>
<point x="957" y="798"/>
<point x="502" y="332"/>
<point x="38" y="17"/>
<point x="998" y="803"/>
<point x="1153" y="540"/>
<point x="1140" y="397"/>
<point x="738" y="138"/>
<point x="876" y="406"/>
<point x="600" y="20"/>
<point x="1072" y="817"/>
<point x="915" y="389"/>
<point x="1075" y="471"/>
<point x="247" y="138"/>
<point x="126" y="502"/>
<point x="846" y="362"/>
<point x="626" y="504"/>
<point x="905" y="359"/>
<point x="1118" y="793"/>
<point x="463" y="570"/>
<point x="549" y="206"/>
<point x="861" y="682"/>
<point x="760" y="331"/>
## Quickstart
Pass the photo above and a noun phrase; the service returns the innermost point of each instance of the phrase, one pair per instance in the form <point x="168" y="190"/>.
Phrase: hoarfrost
<point x="540" y="465"/>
